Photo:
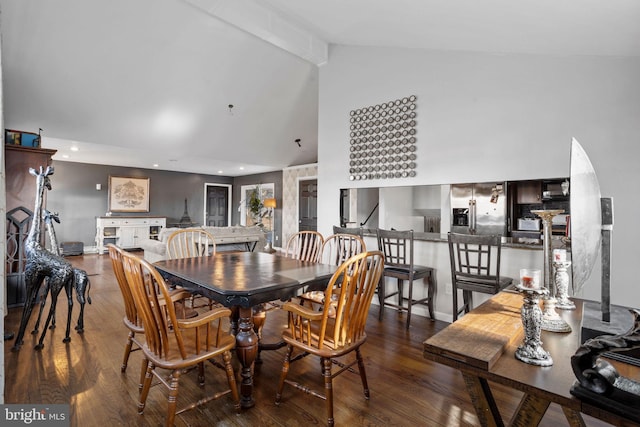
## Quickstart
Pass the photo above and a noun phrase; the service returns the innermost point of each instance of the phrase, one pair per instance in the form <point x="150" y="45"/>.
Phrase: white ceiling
<point x="556" y="27"/>
<point x="138" y="83"/>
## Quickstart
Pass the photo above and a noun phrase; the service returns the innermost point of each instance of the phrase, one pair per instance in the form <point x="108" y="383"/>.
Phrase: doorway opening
<point x="308" y="205"/>
<point x="217" y="205"/>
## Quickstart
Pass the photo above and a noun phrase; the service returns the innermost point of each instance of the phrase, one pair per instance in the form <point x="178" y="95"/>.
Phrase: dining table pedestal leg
<point x="246" y="349"/>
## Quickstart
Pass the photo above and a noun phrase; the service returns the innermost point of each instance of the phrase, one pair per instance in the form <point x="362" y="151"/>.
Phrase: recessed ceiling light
<point x="219" y="171"/>
<point x="155" y="165"/>
<point x="65" y="156"/>
<point x="74" y="148"/>
<point x="241" y="168"/>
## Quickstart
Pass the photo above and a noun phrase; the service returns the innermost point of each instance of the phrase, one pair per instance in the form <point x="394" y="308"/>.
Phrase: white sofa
<point x="226" y="238"/>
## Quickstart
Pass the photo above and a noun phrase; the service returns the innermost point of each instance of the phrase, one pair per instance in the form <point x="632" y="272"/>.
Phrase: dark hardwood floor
<point x="405" y="388"/>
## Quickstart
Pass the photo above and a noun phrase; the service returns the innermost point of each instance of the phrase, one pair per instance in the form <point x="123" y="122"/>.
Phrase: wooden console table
<point x="481" y="346"/>
<point x="127" y="231"/>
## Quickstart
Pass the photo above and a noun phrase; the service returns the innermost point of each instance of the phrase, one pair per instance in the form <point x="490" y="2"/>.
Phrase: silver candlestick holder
<point x="551" y="320"/>
<point x="562" y="285"/>
<point x="531" y="351"/>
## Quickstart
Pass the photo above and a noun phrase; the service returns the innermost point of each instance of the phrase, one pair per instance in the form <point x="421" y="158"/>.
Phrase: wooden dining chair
<point x="305" y="246"/>
<point x="348" y="230"/>
<point x="475" y="267"/>
<point x="338" y="248"/>
<point x="398" y="248"/>
<point x="192" y="243"/>
<point x="335" y="250"/>
<point x="175" y="344"/>
<point x="131" y="319"/>
<point x="329" y="337"/>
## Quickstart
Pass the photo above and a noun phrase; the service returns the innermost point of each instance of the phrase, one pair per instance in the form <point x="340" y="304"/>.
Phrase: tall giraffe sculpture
<point x="81" y="281"/>
<point x="42" y="264"/>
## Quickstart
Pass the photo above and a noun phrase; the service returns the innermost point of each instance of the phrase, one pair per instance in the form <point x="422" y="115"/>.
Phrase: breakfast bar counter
<point x="557" y="242"/>
<point x="432" y="250"/>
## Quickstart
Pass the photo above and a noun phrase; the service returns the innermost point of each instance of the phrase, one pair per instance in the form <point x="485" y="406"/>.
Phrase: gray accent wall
<point x="77" y="201"/>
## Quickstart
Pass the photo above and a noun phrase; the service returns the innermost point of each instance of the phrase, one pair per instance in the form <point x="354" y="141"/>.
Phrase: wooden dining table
<point x="481" y="345"/>
<point x="242" y="281"/>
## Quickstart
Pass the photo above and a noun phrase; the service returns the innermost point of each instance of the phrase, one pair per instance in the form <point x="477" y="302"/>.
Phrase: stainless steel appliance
<point x="479" y="208"/>
<point x="529" y="224"/>
<point x="528" y="228"/>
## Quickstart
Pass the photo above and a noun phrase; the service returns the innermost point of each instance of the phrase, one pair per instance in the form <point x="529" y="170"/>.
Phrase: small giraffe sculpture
<point x="49" y="217"/>
<point x="43" y="265"/>
<point x="81" y="281"/>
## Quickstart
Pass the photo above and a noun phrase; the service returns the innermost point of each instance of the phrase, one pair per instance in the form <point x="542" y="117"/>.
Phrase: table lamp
<point x="270" y="204"/>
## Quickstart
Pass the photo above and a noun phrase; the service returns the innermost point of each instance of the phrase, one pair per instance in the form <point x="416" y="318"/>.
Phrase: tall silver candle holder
<point x="531" y="351"/>
<point x="562" y="285"/>
<point x="551" y="320"/>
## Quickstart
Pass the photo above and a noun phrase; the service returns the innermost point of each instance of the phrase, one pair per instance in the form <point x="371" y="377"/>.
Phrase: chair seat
<point x="317" y="297"/>
<point x="329" y="347"/>
<point x="173" y="359"/>
<point x="473" y="284"/>
<point x="419" y="271"/>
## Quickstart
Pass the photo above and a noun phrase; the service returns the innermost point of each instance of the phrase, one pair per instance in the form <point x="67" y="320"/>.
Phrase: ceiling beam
<point x="265" y="23"/>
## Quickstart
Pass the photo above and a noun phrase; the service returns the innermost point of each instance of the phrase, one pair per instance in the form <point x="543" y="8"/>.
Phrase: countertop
<point x="557" y="242"/>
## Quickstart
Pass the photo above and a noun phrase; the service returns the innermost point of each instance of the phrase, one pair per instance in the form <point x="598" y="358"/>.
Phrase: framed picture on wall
<point x="12" y="137"/>
<point x="24" y="139"/>
<point x="128" y="194"/>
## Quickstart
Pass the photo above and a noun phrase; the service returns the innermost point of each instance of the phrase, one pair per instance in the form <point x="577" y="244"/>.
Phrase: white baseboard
<point x="422" y="311"/>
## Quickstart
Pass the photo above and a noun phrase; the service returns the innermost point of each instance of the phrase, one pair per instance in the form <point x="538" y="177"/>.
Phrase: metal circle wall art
<point x="383" y="141"/>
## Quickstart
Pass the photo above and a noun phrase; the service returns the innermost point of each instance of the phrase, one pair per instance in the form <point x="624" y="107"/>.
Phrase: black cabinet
<point x="529" y="195"/>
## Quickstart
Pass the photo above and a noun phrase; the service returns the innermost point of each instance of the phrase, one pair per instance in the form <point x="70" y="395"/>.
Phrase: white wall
<point x="396" y="210"/>
<point x="484" y="117"/>
<point x="427" y="197"/>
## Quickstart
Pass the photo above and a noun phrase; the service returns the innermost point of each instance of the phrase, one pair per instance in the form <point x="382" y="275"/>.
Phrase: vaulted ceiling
<point x="227" y="86"/>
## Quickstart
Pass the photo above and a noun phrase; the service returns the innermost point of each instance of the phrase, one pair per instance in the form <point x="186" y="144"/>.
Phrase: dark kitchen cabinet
<point x="529" y="192"/>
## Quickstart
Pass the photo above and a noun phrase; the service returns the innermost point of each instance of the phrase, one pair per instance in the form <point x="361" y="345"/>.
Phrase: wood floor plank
<point x="405" y="388"/>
